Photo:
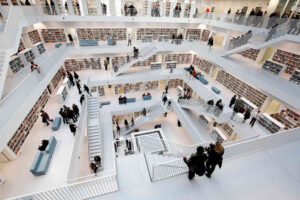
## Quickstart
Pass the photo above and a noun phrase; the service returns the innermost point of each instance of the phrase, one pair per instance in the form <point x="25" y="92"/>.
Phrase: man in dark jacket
<point x="232" y="101"/>
<point x="76" y="110"/>
<point x="73" y="128"/>
<point x="215" y="157"/>
<point x="196" y="163"/>
<point x="45" y="118"/>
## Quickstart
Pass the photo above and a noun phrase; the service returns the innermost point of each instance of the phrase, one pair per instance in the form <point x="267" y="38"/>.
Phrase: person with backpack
<point x="196" y="163"/>
<point x="215" y="157"/>
<point x="82" y="98"/>
<point x="210" y="42"/>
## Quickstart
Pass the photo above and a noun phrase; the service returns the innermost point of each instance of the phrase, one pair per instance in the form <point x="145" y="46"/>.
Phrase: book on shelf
<point x="295" y="78"/>
<point x="289" y="118"/>
<point x="250" y="53"/>
<point x="16" y="64"/>
<point x="27" y="55"/>
<point x="53" y="35"/>
<point x="58" y="76"/>
<point x="79" y="64"/>
<point x="101" y="34"/>
<point x="273" y="67"/>
<point x="271" y="124"/>
<point x="202" y="64"/>
<point x="291" y="60"/>
<point x="155" y="32"/>
<point x="34" y="37"/>
<point x="196" y="33"/>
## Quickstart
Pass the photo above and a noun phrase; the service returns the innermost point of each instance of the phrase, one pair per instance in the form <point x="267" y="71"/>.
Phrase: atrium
<point x="114" y="99"/>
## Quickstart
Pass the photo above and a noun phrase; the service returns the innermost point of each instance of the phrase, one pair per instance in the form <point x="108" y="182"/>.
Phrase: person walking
<point x="210" y="42"/>
<point x="82" y="98"/>
<point x="47" y="7"/>
<point x="75" y="109"/>
<point x="165" y="98"/>
<point x="144" y="112"/>
<point x="72" y="115"/>
<point x="45" y="117"/>
<point x="53" y="7"/>
<point x="63" y="115"/>
<point x="86" y="89"/>
<point x="71" y="41"/>
<point x="166" y="89"/>
<point x="132" y="122"/>
<point x="247" y="115"/>
<point x="169" y="105"/>
<point x="73" y="128"/>
<point x="76" y="76"/>
<point x="106" y="62"/>
<point x="196" y="163"/>
<point x="70" y="77"/>
<point x="215" y="157"/>
<point x="126" y="124"/>
<point x="232" y="101"/>
<point x="35" y="67"/>
<point x="129" y="40"/>
<point x="78" y="86"/>
<point x="254" y="118"/>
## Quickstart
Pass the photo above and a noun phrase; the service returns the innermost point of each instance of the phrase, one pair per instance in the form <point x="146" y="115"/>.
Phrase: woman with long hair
<point x="215" y="157"/>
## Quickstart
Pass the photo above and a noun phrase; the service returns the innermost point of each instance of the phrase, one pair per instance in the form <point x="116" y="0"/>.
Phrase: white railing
<point x="78" y="144"/>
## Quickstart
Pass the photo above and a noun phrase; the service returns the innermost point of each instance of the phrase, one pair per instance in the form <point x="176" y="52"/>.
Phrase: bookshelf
<point x="53" y="35"/>
<point x="147" y="38"/>
<point x="16" y="142"/>
<point x="34" y="37"/>
<point x="135" y="87"/>
<point x="239" y="87"/>
<point x="205" y="35"/>
<point x="58" y="76"/>
<point x="121" y="117"/>
<point x="99" y="89"/>
<point x="252" y="54"/>
<point x="171" y="63"/>
<point x="269" y="123"/>
<point x="80" y="64"/>
<point x="168" y="7"/>
<point x="179" y="58"/>
<point x="202" y="64"/>
<point x="156" y="65"/>
<point x="291" y="60"/>
<point x="295" y="78"/>
<point x="155" y="32"/>
<point x="101" y="34"/>
<point x="226" y="129"/>
<point x="21" y="46"/>
<point x="173" y="83"/>
<point x="27" y="55"/>
<point x="289" y="118"/>
<point x="15" y="64"/>
<point x="247" y="104"/>
<point x="273" y="67"/>
<point x="145" y="62"/>
<point x="4" y="2"/>
<point x="145" y="7"/>
<point x="206" y="121"/>
<point x="196" y="33"/>
<point x="163" y="38"/>
<point x="62" y="94"/>
<point x="39" y="48"/>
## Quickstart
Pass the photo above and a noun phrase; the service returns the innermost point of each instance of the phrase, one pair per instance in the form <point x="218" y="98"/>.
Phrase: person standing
<point x="166" y="89"/>
<point x="66" y="7"/>
<point x="129" y="40"/>
<point x="210" y="42"/>
<point x="53" y="7"/>
<point x="196" y="163"/>
<point x="254" y="118"/>
<point x="247" y="115"/>
<point x="75" y="109"/>
<point x="72" y="115"/>
<point x="215" y="157"/>
<point x="76" y="76"/>
<point x="106" y="64"/>
<point x="78" y="86"/>
<point x="126" y="124"/>
<point x="27" y="3"/>
<point x="86" y="89"/>
<point x="144" y="112"/>
<point x="132" y="122"/>
<point x="165" y="98"/>
<point x="64" y="116"/>
<point x="71" y="39"/>
<point x="70" y="77"/>
<point x="47" y="7"/>
<point x="169" y="105"/>
<point x="45" y="117"/>
<point x="82" y="98"/>
<point x="73" y="128"/>
<point x="232" y="101"/>
<point x="35" y="67"/>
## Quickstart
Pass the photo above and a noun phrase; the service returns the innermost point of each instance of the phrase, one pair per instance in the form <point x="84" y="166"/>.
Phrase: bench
<point x="187" y="69"/>
<point x="111" y="42"/>
<point x="215" y="90"/>
<point x="202" y="80"/>
<point x="57" y="45"/>
<point x="42" y="160"/>
<point x="56" y="124"/>
<point x="130" y="100"/>
<point x="88" y="42"/>
<point x="105" y="103"/>
<point x="146" y="98"/>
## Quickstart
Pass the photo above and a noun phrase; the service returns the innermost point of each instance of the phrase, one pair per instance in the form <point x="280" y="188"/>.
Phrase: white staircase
<point x="94" y="136"/>
<point x="155" y="112"/>
<point x="145" y="53"/>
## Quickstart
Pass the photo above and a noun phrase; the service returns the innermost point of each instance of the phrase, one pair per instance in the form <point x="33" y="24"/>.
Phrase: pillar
<point x="162" y="8"/>
<point x="193" y="9"/>
<point x="182" y="10"/>
<point x="99" y="7"/>
<point x="83" y="7"/>
<point x="149" y="8"/>
<point x="112" y="7"/>
<point x="272" y="6"/>
<point x="172" y="6"/>
<point x="70" y="7"/>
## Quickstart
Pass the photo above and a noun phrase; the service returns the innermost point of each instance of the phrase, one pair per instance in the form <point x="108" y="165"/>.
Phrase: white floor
<point x="270" y="174"/>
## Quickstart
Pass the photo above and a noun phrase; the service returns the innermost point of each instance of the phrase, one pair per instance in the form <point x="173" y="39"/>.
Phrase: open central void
<point x="149" y="99"/>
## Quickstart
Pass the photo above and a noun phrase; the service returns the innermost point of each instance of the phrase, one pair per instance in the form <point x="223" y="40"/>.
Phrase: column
<point x="99" y="7"/>
<point x="272" y="6"/>
<point x="112" y="6"/>
<point x="162" y="8"/>
<point x="182" y="10"/>
<point x="149" y="8"/>
<point x="193" y="9"/>
<point x="83" y="7"/>
<point x="172" y="6"/>
<point x="70" y="7"/>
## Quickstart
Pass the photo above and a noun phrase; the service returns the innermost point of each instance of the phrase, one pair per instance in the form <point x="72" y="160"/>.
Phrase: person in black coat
<point x="144" y="112"/>
<point x="232" y="101"/>
<point x="165" y="99"/>
<point x="70" y="77"/>
<point x="76" y="76"/>
<point x="196" y="163"/>
<point x="126" y="124"/>
<point x="247" y="115"/>
<point x="70" y="37"/>
<point x="210" y="42"/>
<point x="86" y="89"/>
<point x="215" y="157"/>
<point x="73" y="128"/>
<point x="82" y="98"/>
<point x="71" y="115"/>
<point x="78" y="86"/>
<point x="64" y="116"/>
<point x="166" y="89"/>
<point x="76" y="110"/>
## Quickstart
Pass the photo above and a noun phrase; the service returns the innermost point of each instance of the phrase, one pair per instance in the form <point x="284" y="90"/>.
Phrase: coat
<point x="196" y="163"/>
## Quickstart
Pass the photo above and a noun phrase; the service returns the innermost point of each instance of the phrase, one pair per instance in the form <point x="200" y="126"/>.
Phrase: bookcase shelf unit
<point x="205" y="35"/>
<point x="99" y="89"/>
<point x="202" y="64"/>
<point x="16" y="142"/>
<point x="291" y="60"/>
<point x="15" y="65"/>
<point x="240" y="88"/>
<point x="156" y="65"/>
<point x="252" y="54"/>
<point x="155" y="32"/>
<point x="27" y="55"/>
<point x="34" y="36"/>
<point x="39" y="48"/>
<point x="101" y="34"/>
<point x="21" y="46"/>
<point x="58" y="76"/>
<point x="269" y="123"/>
<point x="173" y="83"/>
<point x="273" y="67"/>
<point x="135" y="87"/>
<point x="53" y="35"/>
<point x="196" y="33"/>
<point x="179" y="58"/>
<point x="295" y="78"/>
<point x="80" y="64"/>
<point x="288" y="117"/>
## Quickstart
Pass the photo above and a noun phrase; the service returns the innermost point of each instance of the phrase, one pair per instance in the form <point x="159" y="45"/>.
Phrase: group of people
<point x="130" y="10"/>
<point x="177" y="39"/>
<point x="50" y="9"/>
<point x="135" y="53"/>
<point x="122" y="100"/>
<point x="238" y="107"/>
<point x="218" y="107"/>
<point x="96" y="164"/>
<point x="155" y="11"/>
<point x="177" y="11"/>
<point x="240" y="40"/>
<point x="205" y="160"/>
